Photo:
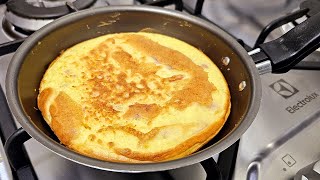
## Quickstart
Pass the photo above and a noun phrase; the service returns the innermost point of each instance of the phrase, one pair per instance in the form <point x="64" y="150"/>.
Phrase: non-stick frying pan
<point x="35" y="54"/>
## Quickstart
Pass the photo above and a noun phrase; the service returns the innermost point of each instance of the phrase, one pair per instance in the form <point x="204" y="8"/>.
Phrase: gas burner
<point x="48" y="3"/>
<point x="14" y="31"/>
<point x="25" y="16"/>
<point x="14" y="25"/>
<point x="45" y="9"/>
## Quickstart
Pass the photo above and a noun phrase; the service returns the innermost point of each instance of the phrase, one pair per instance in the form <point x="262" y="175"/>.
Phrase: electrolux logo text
<point x="301" y="103"/>
<point x="286" y="90"/>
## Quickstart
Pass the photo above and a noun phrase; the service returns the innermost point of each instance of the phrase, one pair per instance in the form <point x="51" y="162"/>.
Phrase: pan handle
<point x="280" y="55"/>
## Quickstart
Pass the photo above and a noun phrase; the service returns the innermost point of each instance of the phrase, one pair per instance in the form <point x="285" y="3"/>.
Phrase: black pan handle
<point x="17" y="157"/>
<point x="281" y="54"/>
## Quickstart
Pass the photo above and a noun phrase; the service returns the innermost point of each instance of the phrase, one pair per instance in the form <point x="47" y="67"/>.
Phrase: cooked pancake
<point x="134" y="97"/>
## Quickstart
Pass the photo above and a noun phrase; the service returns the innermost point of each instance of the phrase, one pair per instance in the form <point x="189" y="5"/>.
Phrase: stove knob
<point x="310" y="172"/>
<point x="316" y="167"/>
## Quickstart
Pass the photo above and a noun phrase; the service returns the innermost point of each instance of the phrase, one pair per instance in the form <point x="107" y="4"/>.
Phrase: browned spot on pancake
<point x="100" y="141"/>
<point x="143" y="137"/>
<point x="199" y="78"/>
<point x="123" y="151"/>
<point x="92" y="137"/>
<point x="126" y="61"/>
<point x="111" y="144"/>
<point x="183" y="149"/>
<point x="109" y="84"/>
<point x="175" y="78"/>
<point x="86" y="126"/>
<point x="197" y="90"/>
<point x="151" y="134"/>
<point x="110" y="40"/>
<point x="43" y="99"/>
<point x="145" y="110"/>
<point x="67" y="118"/>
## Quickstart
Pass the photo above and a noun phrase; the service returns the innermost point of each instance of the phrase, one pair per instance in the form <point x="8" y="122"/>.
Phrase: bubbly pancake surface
<point x="134" y="97"/>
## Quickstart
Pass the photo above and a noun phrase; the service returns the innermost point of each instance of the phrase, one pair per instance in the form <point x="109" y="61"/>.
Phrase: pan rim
<point x="17" y="109"/>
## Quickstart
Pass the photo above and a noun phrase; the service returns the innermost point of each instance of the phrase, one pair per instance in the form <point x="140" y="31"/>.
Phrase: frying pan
<point x="36" y="53"/>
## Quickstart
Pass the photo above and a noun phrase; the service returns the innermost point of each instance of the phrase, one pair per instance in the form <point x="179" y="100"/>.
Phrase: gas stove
<point x="282" y="142"/>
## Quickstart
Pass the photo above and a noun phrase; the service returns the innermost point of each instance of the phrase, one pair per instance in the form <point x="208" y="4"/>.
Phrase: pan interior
<point x="51" y="42"/>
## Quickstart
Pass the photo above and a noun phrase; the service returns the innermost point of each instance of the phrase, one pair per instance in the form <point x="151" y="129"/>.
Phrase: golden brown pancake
<point x="134" y="97"/>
